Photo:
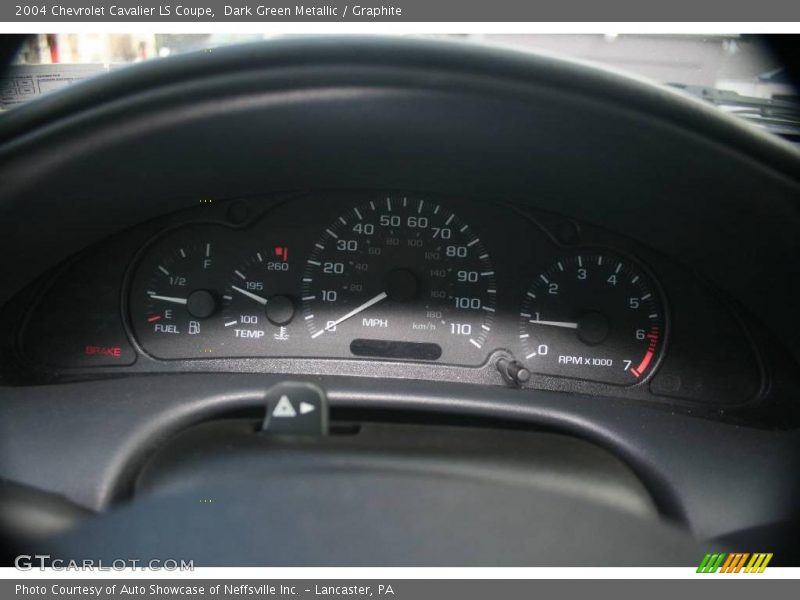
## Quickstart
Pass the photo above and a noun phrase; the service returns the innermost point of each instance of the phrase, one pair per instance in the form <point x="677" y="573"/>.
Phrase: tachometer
<point x="400" y="278"/>
<point x="595" y="317"/>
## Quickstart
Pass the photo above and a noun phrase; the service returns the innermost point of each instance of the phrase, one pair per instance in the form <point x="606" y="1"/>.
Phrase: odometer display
<point x="595" y="317"/>
<point x="400" y="278"/>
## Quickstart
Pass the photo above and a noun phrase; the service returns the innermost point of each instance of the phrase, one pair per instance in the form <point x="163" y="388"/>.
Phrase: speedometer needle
<point x="565" y="324"/>
<point x="251" y="295"/>
<point x="352" y="313"/>
<point x="169" y="299"/>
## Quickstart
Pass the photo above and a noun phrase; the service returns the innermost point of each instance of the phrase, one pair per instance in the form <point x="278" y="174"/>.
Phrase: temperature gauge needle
<point x="169" y="299"/>
<point x="564" y="324"/>
<point x="250" y="295"/>
<point x="353" y="313"/>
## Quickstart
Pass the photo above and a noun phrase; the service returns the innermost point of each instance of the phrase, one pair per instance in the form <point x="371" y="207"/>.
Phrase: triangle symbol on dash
<point x="284" y="408"/>
<point x="306" y="408"/>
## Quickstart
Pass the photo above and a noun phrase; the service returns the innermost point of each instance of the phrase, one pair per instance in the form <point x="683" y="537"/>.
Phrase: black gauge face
<point x="257" y="302"/>
<point x="595" y="317"/>
<point x="400" y="278"/>
<point x="175" y="299"/>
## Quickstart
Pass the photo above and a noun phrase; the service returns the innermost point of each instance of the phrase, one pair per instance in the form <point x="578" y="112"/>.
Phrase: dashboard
<point x="393" y="284"/>
<point x="516" y="282"/>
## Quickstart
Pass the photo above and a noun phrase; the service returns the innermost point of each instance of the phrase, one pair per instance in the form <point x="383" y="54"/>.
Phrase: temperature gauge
<point x="257" y="302"/>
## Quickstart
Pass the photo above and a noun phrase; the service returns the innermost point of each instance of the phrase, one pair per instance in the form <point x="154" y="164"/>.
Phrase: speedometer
<point x="400" y="278"/>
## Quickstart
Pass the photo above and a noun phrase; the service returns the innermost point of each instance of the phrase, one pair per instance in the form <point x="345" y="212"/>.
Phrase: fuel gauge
<point x="175" y="302"/>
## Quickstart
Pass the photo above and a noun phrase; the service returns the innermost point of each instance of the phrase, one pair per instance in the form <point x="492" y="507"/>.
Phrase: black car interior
<point x="366" y="301"/>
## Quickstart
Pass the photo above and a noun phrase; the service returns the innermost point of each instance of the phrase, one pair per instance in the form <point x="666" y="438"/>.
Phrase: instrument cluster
<point x="386" y="285"/>
<point x="399" y="277"/>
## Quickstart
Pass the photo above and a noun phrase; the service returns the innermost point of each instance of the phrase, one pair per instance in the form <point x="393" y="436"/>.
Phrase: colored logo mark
<point x="735" y="562"/>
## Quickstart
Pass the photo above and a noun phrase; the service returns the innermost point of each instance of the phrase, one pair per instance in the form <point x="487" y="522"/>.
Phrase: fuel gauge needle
<point x="352" y="313"/>
<point x="169" y="299"/>
<point x="250" y="295"/>
<point x="564" y="324"/>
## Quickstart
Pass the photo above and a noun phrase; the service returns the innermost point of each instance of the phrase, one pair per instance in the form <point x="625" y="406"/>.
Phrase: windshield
<point x="738" y="74"/>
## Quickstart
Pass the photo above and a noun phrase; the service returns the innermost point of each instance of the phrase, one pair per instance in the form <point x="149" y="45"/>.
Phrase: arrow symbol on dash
<point x="306" y="408"/>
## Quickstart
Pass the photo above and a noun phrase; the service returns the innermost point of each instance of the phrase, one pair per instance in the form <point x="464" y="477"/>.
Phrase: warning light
<point x="282" y="252"/>
<point x="114" y="351"/>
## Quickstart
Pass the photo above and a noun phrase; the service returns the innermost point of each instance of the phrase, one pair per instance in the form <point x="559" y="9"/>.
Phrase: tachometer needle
<point x="250" y="295"/>
<point x="565" y="324"/>
<point x="169" y="299"/>
<point x="352" y="313"/>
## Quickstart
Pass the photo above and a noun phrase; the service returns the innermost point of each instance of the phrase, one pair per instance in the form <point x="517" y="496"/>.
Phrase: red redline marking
<point x="153" y="318"/>
<point x="643" y="365"/>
